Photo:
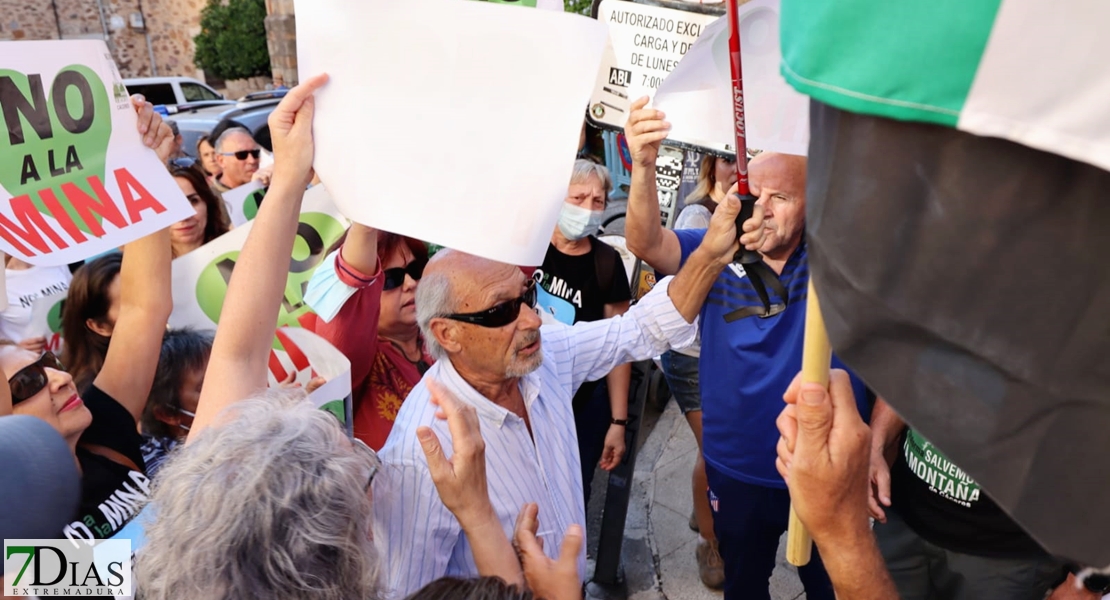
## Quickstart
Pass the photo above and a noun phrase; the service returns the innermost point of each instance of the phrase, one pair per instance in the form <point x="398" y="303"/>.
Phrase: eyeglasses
<point x="31" y="379"/>
<point x="243" y="154"/>
<point x="371" y="458"/>
<point x="395" y="277"/>
<point x="501" y="314"/>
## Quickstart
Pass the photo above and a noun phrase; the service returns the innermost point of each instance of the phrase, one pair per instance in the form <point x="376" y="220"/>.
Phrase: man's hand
<point x="291" y="132"/>
<point x="614" y="448"/>
<point x="720" y="240"/>
<point x="645" y="130"/>
<point x="548" y="579"/>
<point x="34" y="344"/>
<point x="823" y="456"/>
<point x="460" y="480"/>
<point x="263" y="175"/>
<point x="154" y="132"/>
<point x="879" y="495"/>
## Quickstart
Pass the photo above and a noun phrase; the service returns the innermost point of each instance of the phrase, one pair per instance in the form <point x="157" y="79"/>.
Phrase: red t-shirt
<point x="381" y="376"/>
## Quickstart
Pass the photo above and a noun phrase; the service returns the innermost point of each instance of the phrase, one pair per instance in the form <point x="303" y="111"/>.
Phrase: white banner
<point x="415" y="130"/>
<point x="697" y="97"/>
<point x="243" y="201"/>
<point x="46" y="321"/>
<point x="76" y="179"/>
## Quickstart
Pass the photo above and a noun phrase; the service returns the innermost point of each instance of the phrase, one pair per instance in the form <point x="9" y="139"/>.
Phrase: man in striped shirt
<point x="492" y="353"/>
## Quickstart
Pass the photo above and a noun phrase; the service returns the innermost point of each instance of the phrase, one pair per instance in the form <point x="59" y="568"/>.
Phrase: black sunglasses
<point x="242" y="154"/>
<point x="31" y="379"/>
<point x="395" y="277"/>
<point x="501" y="314"/>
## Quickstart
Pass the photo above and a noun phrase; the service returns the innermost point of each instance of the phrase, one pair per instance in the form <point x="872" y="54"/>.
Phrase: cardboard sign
<point x="200" y="278"/>
<point x="308" y="355"/>
<point x="432" y="84"/>
<point x="46" y="321"/>
<point x="697" y="96"/>
<point x="76" y="179"/>
<point x="646" y="44"/>
<point x="243" y="202"/>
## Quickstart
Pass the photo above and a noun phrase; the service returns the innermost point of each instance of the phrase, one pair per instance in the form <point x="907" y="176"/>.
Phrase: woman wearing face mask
<point x="369" y="285"/>
<point x="583" y="279"/>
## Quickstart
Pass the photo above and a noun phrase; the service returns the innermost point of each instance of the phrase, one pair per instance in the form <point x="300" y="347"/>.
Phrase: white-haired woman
<point x="269" y="499"/>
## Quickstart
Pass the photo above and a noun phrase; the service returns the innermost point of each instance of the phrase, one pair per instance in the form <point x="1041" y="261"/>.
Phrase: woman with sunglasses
<point x="100" y="423"/>
<point x="353" y="298"/>
<point x="269" y="498"/>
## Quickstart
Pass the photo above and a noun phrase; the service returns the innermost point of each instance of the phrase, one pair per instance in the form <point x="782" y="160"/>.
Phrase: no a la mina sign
<point x="76" y="179"/>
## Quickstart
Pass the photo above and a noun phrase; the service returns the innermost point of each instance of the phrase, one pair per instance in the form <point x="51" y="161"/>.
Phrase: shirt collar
<point x="444" y="372"/>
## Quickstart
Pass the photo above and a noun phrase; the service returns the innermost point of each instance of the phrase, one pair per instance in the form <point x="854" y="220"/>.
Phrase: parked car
<point x="172" y="91"/>
<point x="194" y="122"/>
<point x="265" y="95"/>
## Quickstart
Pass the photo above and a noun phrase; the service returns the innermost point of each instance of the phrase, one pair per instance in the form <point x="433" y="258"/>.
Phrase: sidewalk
<point x="658" y="554"/>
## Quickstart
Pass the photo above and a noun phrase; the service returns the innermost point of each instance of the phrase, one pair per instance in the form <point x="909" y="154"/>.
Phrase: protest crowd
<point x="483" y="398"/>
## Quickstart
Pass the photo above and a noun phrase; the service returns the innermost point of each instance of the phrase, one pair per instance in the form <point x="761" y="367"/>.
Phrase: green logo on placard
<point x="54" y="142"/>
<point x="54" y="317"/>
<point x="315" y="233"/>
<point x="252" y="202"/>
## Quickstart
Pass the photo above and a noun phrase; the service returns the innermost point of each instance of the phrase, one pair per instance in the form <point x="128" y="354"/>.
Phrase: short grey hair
<point x="584" y="169"/>
<point x="270" y="503"/>
<point x="433" y="299"/>
<point x="230" y="131"/>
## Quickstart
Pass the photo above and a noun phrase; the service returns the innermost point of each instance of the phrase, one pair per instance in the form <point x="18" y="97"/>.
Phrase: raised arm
<point x="145" y="299"/>
<point x="361" y="248"/>
<point x="240" y="353"/>
<point x="692" y="284"/>
<point x="645" y="235"/>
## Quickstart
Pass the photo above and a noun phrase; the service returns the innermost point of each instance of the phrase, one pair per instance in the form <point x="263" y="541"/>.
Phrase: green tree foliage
<point x="581" y="7"/>
<point x="232" y="39"/>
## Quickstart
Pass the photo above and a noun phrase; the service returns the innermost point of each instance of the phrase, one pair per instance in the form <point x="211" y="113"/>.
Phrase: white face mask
<point x="576" y="222"/>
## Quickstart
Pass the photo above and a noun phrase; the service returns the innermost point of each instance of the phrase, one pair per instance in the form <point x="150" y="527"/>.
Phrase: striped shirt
<point x="422" y="539"/>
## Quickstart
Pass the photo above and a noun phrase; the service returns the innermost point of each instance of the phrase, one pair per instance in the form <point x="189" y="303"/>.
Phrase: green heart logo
<point x="54" y="142"/>
<point x="316" y="232"/>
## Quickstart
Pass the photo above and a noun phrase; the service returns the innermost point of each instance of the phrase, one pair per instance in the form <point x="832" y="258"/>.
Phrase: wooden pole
<point x="816" y="360"/>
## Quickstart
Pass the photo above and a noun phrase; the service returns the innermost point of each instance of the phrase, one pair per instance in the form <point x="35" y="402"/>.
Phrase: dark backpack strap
<point x="604" y="266"/>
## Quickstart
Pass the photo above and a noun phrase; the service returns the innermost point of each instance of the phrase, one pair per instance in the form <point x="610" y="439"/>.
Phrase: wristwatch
<point x="621" y="422"/>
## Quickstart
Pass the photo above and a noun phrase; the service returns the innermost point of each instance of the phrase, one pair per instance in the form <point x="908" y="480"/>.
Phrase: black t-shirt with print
<point x="111" y="493"/>
<point x="945" y="506"/>
<point x="570" y="290"/>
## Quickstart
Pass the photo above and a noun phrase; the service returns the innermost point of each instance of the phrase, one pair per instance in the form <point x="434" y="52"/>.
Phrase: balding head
<point x="459" y="283"/>
<point x="779" y="181"/>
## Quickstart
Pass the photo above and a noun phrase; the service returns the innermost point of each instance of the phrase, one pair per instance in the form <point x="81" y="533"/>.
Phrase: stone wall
<point x="136" y="29"/>
<point x="281" y="38"/>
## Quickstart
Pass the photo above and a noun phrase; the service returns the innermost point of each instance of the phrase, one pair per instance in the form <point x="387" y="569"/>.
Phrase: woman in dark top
<point x="100" y="424"/>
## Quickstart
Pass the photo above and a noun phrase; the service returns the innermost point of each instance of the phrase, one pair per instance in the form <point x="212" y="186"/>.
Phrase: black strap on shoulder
<point x="761" y="276"/>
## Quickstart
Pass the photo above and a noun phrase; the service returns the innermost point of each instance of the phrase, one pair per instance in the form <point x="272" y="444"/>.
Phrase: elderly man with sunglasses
<point x="237" y="154"/>
<point x="478" y="322"/>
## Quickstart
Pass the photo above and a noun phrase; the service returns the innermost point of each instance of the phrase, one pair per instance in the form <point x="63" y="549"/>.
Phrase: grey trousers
<point x="924" y="571"/>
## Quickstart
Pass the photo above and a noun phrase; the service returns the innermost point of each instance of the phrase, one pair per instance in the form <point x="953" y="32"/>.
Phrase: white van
<point x="171" y="91"/>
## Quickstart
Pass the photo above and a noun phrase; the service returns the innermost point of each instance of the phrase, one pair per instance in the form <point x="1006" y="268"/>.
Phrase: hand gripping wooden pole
<point x="816" y="359"/>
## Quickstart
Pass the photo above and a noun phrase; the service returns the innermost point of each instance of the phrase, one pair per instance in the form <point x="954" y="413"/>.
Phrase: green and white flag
<point x="1030" y="72"/>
